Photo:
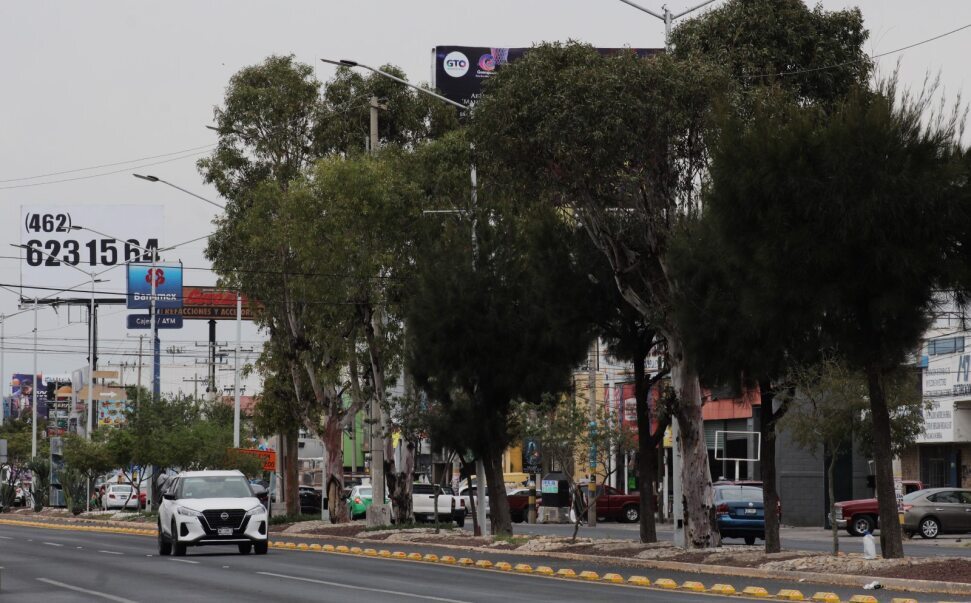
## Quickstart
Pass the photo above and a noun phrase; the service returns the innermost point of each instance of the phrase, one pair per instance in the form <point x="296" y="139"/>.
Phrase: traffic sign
<point x="143" y="321"/>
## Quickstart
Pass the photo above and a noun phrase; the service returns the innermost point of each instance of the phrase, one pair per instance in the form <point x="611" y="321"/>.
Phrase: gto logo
<point x="456" y="64"/>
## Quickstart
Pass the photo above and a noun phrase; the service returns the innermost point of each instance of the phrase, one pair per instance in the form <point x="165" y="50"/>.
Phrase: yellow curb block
<point x="290" y="545"/>
<point x="430" y="557"/>
<point x="502" y="565"/>
<point x="523" y="568"/>
<point x="370" y="552"/>
<point x="315" y="547"/>
<point x="399" y="555"/>
<point x="466" y="561"/>
<point x="697" y="587"/>
<point x="902" y="600"/>
<point x="593" y="576"/>
<point x="615" y="578"/>
<point x="723" y="589"/>
<point x="826" y="598"/>
<point x="414" y="556"/>
<point x="638" y="581"/>
<point x="328" y="548"/>
<point x="566" y="573"/>
<point x="485" y="563"/>
<point x="665" y="583"/>
<point x="544" y="570"/>
<point x="863" y="599"/>
<point x="384" y="553"/>
<point x="447" y="559"/>
<point x="787" y="594"/>
<point x="356" y="550"/>
<point x="342" y="549"/>
<point x="303" y="546"/>
<point x="755" y="591"/>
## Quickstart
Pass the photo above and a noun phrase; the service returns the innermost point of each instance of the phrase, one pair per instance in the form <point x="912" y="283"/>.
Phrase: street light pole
<point x="667" y="16"/>
<point x="236" y="392"/>
<point x="33" y="416"/>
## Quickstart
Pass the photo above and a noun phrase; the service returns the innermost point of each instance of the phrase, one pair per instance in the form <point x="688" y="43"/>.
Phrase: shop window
<point x="945" y="345"/>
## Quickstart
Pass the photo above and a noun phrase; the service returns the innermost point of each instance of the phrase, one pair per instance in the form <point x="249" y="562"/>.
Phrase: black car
<point x="311" y="500"/>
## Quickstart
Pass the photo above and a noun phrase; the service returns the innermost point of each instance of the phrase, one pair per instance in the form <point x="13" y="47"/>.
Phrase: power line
<point x="104" y="165"/>
<point x="868" y="58"/>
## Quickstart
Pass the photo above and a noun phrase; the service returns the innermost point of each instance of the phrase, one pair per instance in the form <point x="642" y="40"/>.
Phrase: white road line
<point x="85" y="591"/>
<point x="5" y="538"/>
<point x="373" y="590"/>
<point x="111" y="552"/>
<point x="184" y="561"/>
<point x="53" y="544"/>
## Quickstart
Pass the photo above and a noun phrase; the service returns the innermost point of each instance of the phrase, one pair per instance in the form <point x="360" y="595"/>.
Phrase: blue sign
<point x="143" y="321"/>
<point x="168" y="286"/>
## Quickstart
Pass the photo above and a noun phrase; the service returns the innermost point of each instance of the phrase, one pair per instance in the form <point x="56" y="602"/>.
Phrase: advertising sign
<point x="168" y="286"/>
<point x="22" y="396"/>
<point x="111" y="413"/>
<point x="61" y="233"/>
<point x="268" y="456"/>
<point x="458" y="71"/>
<point x="946" y="382"/>
<point x="210" y="303"/>
<point x="532" y="456"/>
<point x="550" y="486"/>
<point x="144" y="321"/>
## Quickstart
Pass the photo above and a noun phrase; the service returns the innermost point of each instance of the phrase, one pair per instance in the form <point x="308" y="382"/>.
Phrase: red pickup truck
<point x="858" y="517"/>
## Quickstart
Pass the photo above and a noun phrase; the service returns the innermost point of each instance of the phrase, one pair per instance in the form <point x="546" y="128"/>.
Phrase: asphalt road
<point x="803" y="539"/>
<point x="47" y="565"/>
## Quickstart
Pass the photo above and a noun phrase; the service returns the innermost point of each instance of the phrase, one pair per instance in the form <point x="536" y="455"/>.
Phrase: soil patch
<point x="952" y="570"/>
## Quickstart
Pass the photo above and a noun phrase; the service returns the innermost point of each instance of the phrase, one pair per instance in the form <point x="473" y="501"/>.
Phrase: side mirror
<point x="168" y="496"/>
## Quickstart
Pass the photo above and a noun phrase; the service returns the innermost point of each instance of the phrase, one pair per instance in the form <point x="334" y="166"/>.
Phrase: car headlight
<point x="189" y="512"/>
<point x="256" y="511"/>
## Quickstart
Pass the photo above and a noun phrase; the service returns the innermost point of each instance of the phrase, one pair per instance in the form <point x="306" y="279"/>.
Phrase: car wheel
<point x="929" y="527"/>
<point x="164" y="546"/>
<point x="860" y="525"/>
<point x="245" y="548"/>
<point x="178" y="549"/>
<point x="750" y="540"/>
<point x="260" y="548"/>
<point x="631" y="514"/>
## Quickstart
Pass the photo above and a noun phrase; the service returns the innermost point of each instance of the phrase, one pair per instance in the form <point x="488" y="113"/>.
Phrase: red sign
<point x="268" y="456"/>
<point x="210" y="303"/>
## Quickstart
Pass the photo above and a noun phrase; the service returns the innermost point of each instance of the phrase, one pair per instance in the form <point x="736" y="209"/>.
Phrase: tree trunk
<point x="831" y="479"/>
<point x="501" y="519"/>
<point x="400" y="482"/>
<point x="697" y="494"/>
<point x="646" y="455"/>
<point x="891" y="542"/>
<point x="770" y="490"/>
<point x="476" y="528"/>
<point x="334" y="469"/>
<point x="291" y="481"/>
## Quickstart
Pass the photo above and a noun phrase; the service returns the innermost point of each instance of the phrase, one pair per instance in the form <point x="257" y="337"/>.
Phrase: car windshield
<point x="232" y="486"/>
<point x="364" y="492"/>
<point x="742" y="493"/>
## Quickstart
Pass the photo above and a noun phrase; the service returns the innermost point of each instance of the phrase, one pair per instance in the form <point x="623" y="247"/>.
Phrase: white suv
<point x="211" y="507"/>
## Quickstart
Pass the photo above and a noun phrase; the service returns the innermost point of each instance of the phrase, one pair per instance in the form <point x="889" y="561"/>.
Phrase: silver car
<point x="937" y="511"/>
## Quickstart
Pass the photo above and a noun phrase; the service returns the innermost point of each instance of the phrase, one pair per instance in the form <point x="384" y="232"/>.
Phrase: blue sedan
<point x="740" y="512"/>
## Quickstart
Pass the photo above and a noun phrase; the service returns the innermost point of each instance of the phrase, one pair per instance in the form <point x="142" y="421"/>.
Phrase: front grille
<point x="233" y="520"/>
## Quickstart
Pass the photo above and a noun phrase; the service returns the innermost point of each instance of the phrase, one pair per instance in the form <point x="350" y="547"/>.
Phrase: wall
<point x="800" y="478"/>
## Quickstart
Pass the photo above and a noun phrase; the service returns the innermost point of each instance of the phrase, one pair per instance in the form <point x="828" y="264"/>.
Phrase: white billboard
<point x="62" y="241"/>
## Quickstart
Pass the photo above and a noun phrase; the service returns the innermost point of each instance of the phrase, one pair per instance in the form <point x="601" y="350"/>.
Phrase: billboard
<point x="210" y="303"/>
<point x="458" y="71"/>
<point x="60" y="238"/>
<point x="22" y="396"/>
<point x="168" y="286"/>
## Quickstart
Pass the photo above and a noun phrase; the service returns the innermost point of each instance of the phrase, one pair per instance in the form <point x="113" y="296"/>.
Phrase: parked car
<point x="519" y="503"/>
<point x="466" y="495"/>
<point x="740" y="512"/>
<point x="614" y="505"/>
<point x="311" y="500"/>
<point x="937" y="511"/>
<point x="119" y="496"/>
<point x="450" y="507"/>
<point x="358" y="501"/>
<point x="860" y="516"/>
<point x="211" y="507"/>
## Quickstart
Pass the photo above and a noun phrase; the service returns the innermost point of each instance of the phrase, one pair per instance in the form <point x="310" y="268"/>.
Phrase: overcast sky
<point x="94" y="83"/>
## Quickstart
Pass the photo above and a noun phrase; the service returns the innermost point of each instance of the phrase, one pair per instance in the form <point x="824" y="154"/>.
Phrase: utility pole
<point x="195" y="381"/>
<point x="140" y="338"/>
<point x="239" y="331"/>
<point x="667" y="16"/>
<point x="592" y="393"/>
<point x="33" y="421"/>
<point x="3" y="390"/>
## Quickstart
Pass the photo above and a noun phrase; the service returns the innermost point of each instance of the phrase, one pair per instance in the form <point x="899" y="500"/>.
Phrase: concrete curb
<point x="921" y="586"/>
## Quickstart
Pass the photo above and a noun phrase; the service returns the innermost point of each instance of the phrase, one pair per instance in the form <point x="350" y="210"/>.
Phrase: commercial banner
<point x="210" y="303"/>
<point x="22" y="396"/>
<point x="60" y="239"/>
<point x="458" y="71"/>
<point x="168" y="286"/>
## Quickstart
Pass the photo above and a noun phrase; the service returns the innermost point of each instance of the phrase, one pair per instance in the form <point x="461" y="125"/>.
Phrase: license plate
<point x="751" y="511"/>
<point x="225" y="531"/>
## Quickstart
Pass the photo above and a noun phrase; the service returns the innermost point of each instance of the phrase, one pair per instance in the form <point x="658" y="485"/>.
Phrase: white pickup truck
<point x="450" y="508"/>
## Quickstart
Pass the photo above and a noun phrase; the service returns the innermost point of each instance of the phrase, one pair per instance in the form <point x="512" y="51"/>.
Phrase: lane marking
<point x="53" y="544"/>
<point x="111" y="552"/>
<point x="364" y="588"/>
<point x="6" y="538"/>
<point x="184" y="561"/>
<point x="85" y="591"/>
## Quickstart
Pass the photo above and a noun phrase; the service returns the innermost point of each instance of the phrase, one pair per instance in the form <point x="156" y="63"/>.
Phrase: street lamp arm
<point x="346" y="63"/>
<point x="647" y="10"/>
<point x="692" y="9"/>
<point x="151" y="178"/>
